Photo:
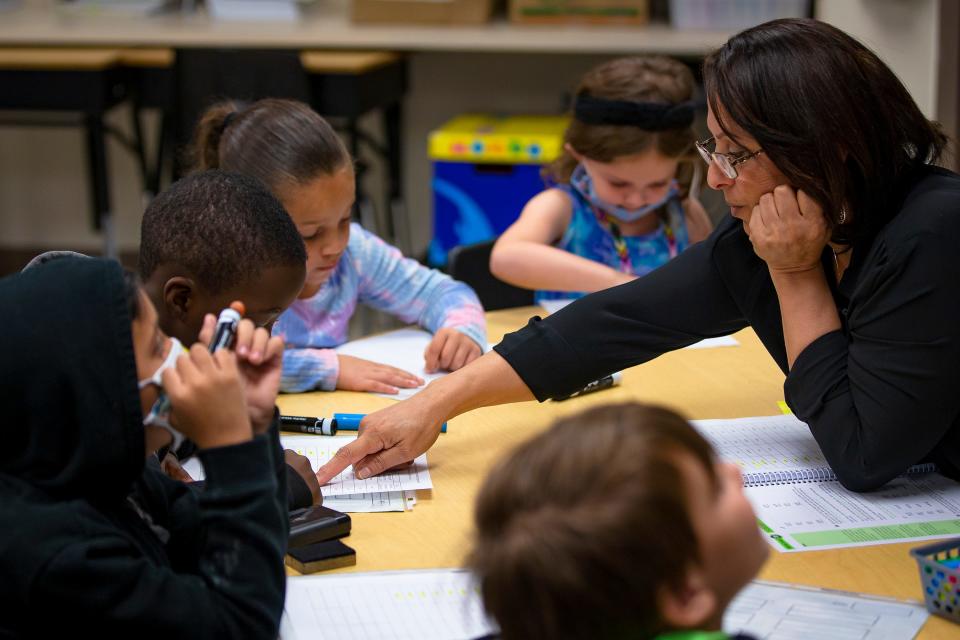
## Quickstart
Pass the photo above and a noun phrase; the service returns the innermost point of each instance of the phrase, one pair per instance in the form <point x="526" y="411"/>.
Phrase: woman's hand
<point x="206" y="394"/>
<point x="788" y="231"/>
<point x="357" y="374"/>
<point x="450" y="350"/>
<point x="260" y="362"/>
<point x="388" y="438"/>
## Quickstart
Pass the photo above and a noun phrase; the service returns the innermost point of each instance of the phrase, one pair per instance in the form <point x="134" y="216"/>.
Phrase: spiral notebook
<point x="801" y="506"/>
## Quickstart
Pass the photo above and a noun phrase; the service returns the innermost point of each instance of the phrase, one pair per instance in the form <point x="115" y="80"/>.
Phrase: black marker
<point x="603" y="383"/>
<point x="226" y="330"/>
<point x="306" y="424"/>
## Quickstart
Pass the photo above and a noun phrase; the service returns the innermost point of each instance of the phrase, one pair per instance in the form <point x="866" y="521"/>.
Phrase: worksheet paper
<point x="319" y="449"/>
<point x="391" y="491"/>
<point x="402" y="349"/>
<point x="372" y="502"/>
<point x="437" y="604"/>
<point x="769" y="610"/>
<point x="552" y="306"/>
<point x="445" y="604"/>
<point x="800" y="505"/>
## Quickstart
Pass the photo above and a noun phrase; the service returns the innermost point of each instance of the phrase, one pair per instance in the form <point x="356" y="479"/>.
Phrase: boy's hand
<point x="171" y="466"/>
<point x="450" y="350"/>
<point x="260" y="360"/>
<point x="207" y="398"/>
<point x="301" y="465"/>
<point x="357" y="374"/>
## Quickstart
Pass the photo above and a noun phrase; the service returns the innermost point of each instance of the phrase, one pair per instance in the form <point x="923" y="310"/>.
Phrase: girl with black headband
<point x="618" y="205"/>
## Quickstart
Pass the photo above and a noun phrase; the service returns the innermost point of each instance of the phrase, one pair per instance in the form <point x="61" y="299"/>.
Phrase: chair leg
<point x="397" y="221"/>
<point x="140" y="147"/>
<point x="99" y="186"/>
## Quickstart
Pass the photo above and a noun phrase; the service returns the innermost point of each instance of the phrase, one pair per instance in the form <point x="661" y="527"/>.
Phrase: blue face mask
<point x="580" y="180"/>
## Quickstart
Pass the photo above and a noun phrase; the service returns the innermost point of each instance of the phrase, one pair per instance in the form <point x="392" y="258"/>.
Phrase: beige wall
<point x="43" y="195"/>
<point x="904" y="33"/>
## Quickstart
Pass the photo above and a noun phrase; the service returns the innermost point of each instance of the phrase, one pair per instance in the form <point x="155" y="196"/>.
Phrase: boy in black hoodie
<point x="93" y="539"/>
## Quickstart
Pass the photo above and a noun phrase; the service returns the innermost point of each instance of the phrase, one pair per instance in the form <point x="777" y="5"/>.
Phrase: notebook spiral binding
<point x="818" y="474"/>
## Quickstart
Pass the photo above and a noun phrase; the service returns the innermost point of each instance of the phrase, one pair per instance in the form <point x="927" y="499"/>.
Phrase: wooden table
<point x="727" y="382"/>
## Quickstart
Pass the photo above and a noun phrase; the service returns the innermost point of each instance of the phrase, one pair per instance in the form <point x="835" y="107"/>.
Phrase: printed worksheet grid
<point x="319" y="449"/>
<point x="370" y="608"/>
<point x="764" y="444"/>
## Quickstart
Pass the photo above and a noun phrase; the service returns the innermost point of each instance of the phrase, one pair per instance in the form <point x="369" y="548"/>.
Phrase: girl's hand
<point x="450" y="350"/>
<point x="619" y="277"/>
<point x="206" y="394"/>
<point x="788" y="231"/>
<point x="357" y="374"/>
<point x="260" y="360"/>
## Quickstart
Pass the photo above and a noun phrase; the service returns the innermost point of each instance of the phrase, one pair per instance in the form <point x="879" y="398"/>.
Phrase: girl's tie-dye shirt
<point x="374" y="273"/>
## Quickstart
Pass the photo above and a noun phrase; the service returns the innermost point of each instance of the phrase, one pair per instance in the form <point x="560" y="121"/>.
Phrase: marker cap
<point x="348" y="421"/>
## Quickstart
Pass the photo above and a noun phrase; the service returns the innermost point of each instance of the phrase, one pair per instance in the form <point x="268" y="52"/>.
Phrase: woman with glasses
<point x="840" y="251"/>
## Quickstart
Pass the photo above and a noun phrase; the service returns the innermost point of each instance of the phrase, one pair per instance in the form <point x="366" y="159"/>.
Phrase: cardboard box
<point x="422" y="11"/>
<point x="626" y="12"/>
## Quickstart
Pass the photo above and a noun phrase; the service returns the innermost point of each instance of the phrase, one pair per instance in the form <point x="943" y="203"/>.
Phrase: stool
<point x="150" y="84"/>
<point x="68" y="87"/>
<point x="344" y="86"/>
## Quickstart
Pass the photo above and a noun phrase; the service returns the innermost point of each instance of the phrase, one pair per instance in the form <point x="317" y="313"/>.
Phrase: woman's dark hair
<point x="580" y="528"/>
<point x="131" y="291"/>
<point x="635" y="79"/>
<point x="282" y="143"/>
<point x="827" y="112"/>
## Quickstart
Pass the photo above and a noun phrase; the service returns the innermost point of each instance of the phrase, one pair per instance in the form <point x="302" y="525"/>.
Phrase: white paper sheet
<point x="397" y="605"/>
<point x="402" y="349"/>
<point x="445" y="604"/>
<point x="391" y="491"/>
<point x="319" y="449"/>
<point x="552" y="306"/>
<point x="775" y="611"/>
<point x="368" y="502"/>
<point x="359" y="503"/>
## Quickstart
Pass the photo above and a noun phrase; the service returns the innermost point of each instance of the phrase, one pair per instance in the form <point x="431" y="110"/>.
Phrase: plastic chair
<point x="471" y="264"/>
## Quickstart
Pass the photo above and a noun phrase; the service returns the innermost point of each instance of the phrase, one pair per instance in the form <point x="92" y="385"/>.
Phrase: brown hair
<point x="582" y="525"/>
<point x="635" y="79"/>
<point x="280" y="142"/>
<point x="828" y="113"/>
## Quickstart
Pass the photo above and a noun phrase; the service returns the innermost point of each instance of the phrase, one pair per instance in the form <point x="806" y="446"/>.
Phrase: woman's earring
<point x="843" y="215"/>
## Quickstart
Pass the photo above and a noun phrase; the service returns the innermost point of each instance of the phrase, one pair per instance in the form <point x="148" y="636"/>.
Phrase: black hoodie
<point x="93" y="541"/>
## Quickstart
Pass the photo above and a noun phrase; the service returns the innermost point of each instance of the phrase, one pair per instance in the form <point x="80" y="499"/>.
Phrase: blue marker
<point x="351" y="421"/>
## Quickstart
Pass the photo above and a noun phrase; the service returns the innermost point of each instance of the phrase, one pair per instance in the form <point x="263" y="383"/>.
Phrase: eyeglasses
<point x="726" y="162"/>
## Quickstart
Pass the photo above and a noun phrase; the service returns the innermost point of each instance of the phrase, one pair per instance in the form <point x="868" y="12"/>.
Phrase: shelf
<point x="327" y="25"/>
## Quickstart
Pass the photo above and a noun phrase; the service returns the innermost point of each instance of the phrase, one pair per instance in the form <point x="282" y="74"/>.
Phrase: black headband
<point x="652" y="116"/>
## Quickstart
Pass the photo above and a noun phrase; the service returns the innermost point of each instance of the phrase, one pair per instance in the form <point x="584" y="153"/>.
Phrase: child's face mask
<point x="159" y="414"/>
<point x="580" y="180"/>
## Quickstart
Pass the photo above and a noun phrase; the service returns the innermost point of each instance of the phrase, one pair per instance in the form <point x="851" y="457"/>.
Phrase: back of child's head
<point x="224" y="228"/>
<point x="282" y="143"/>
<point x="655" y="80"/>
<point x="580" y="527"/>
